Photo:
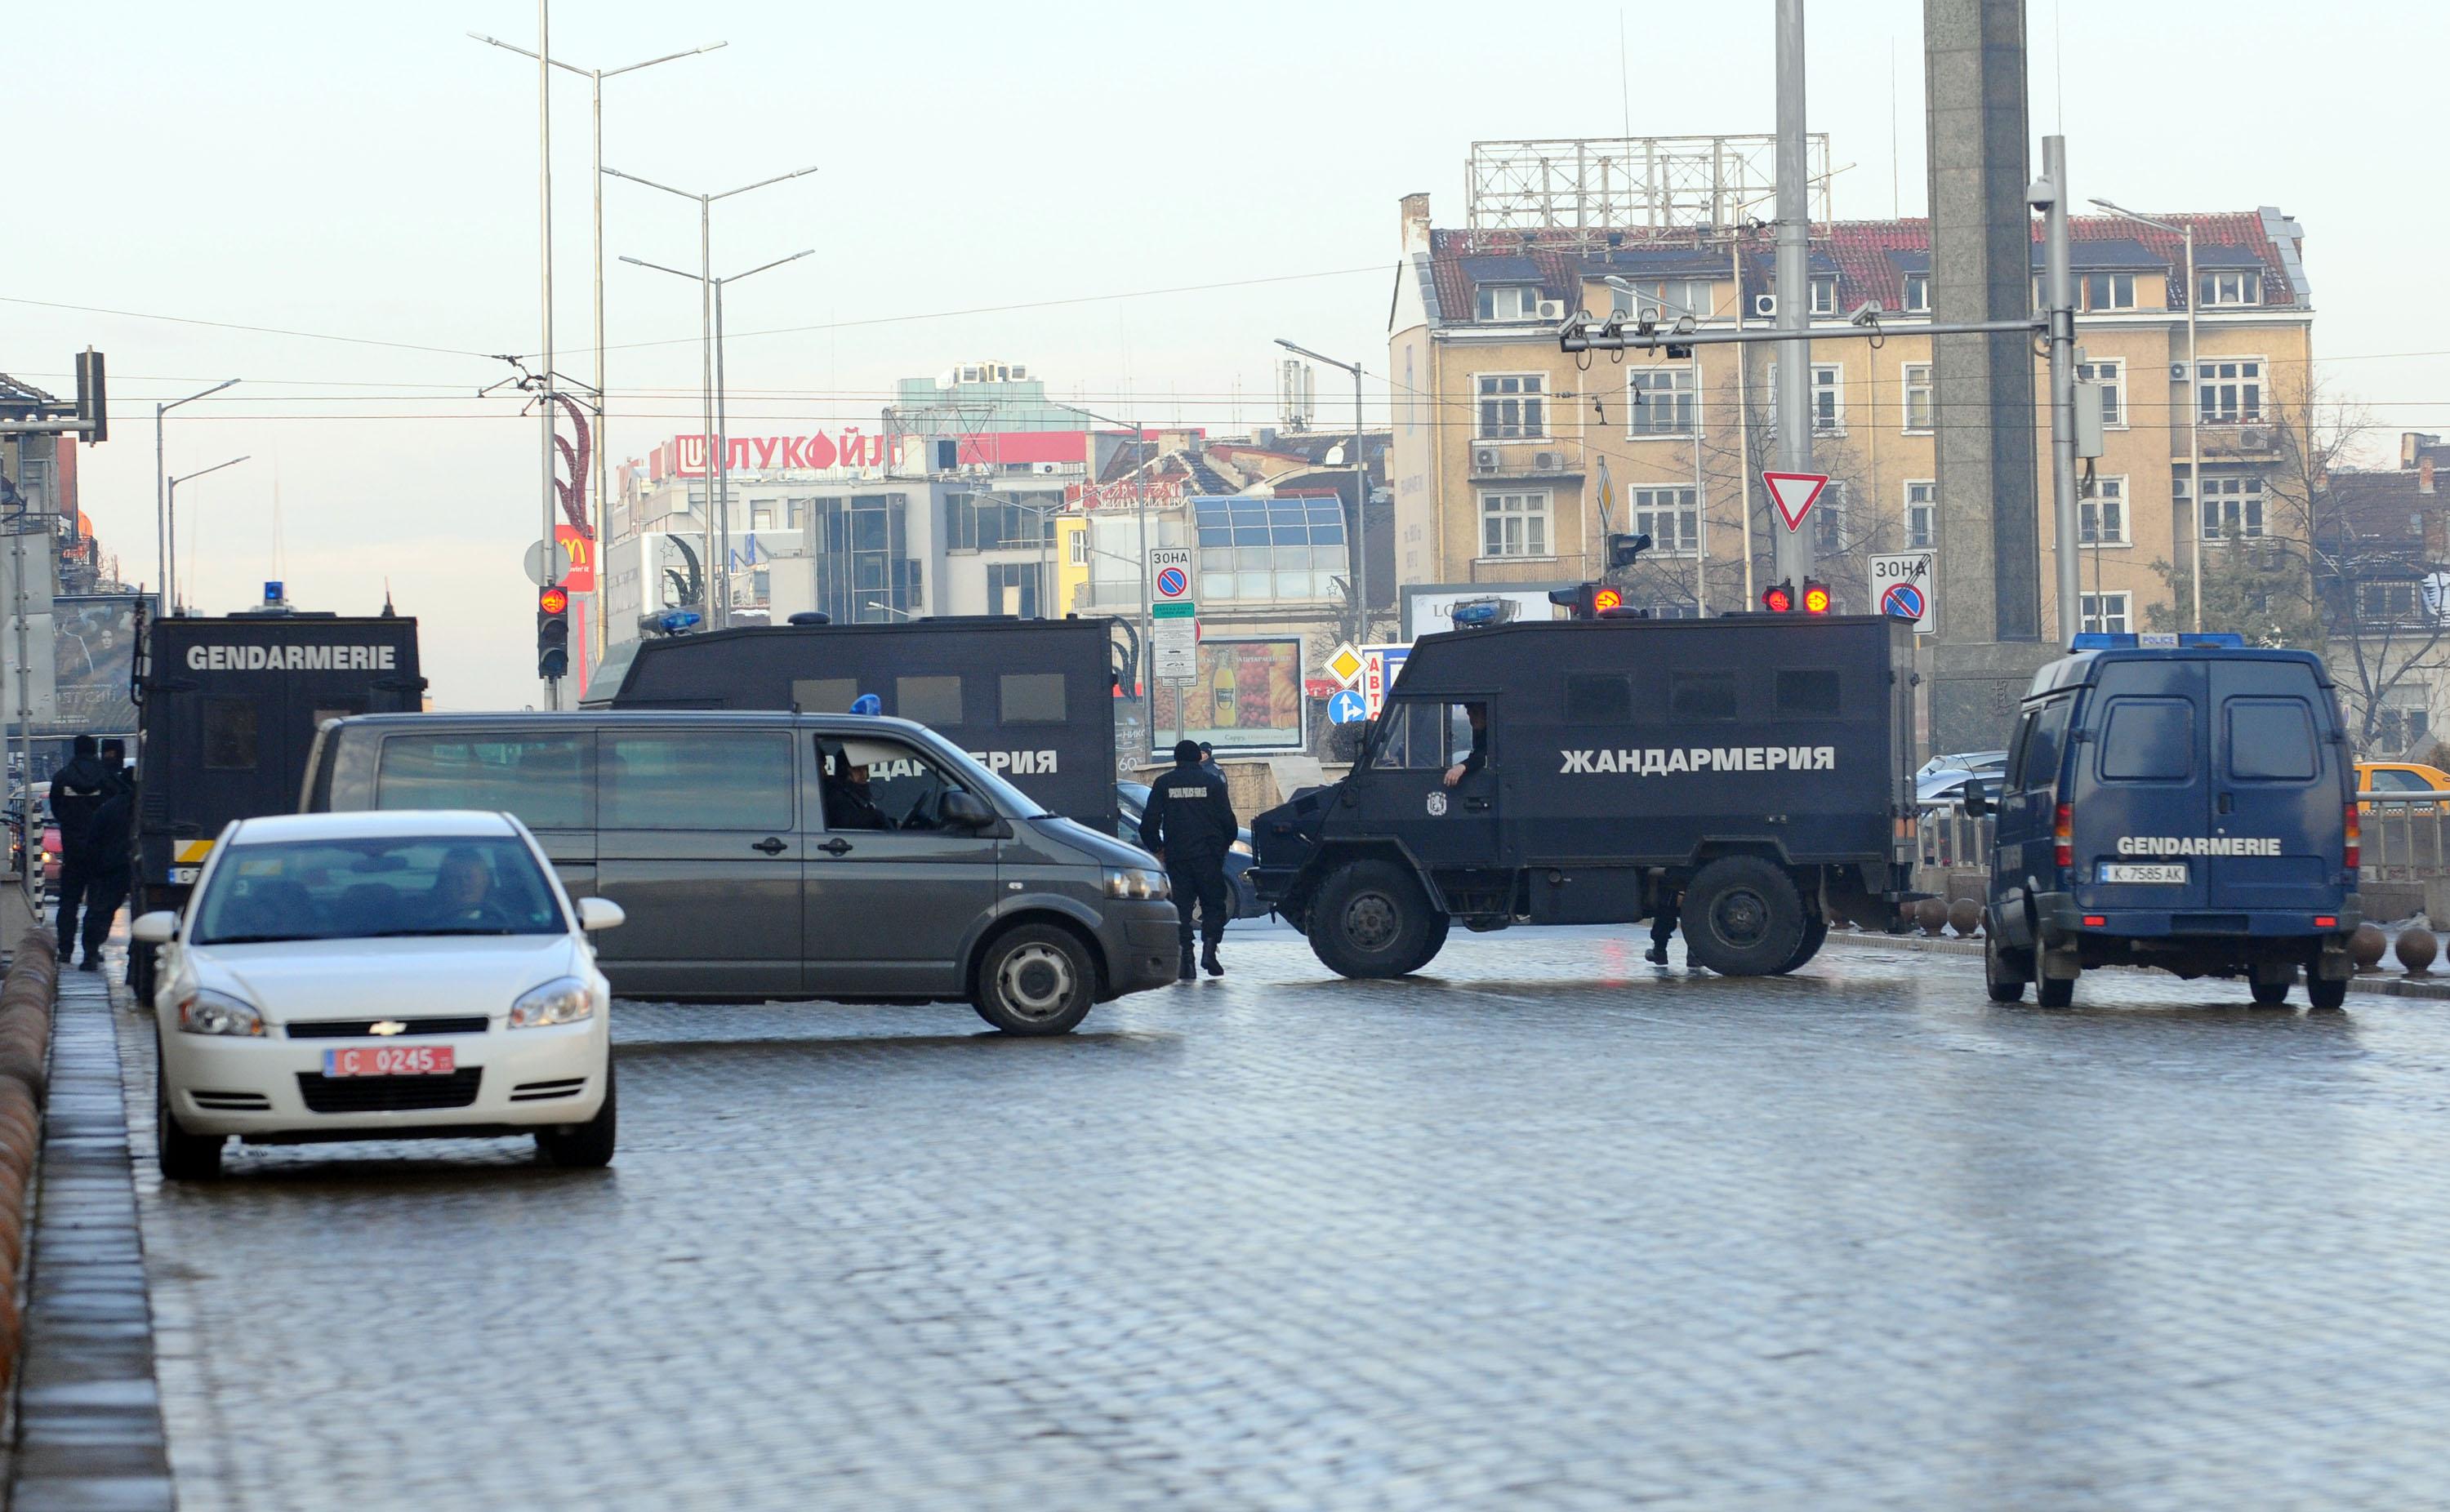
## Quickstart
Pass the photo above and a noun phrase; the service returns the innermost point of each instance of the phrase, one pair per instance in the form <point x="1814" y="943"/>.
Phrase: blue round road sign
<point x="1902" y="600"/>
<point x="1171" y="583"/>
<point x="1347" y="708"/>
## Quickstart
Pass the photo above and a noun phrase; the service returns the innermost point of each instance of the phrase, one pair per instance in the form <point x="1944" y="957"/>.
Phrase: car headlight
<point x="206" y="1011"/>
<point x="1242" y="848"/>
<point x="565" y="1001"/>
<point x="1133" y="882"/>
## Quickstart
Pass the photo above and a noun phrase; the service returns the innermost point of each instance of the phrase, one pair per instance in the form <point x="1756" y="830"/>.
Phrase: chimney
<point x="2412" y="444"/>
<point x="1416" y="223"/>
<point x="2424" y="474"/>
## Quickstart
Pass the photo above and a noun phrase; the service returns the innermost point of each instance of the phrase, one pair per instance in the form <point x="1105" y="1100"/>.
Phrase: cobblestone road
<point x="1550" y="1230"/>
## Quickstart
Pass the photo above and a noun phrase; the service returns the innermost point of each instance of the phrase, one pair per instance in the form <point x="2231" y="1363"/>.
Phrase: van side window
<point x="229" y="735"/>
<point x="697" y="780"/>
<point x="882" y="785"/>
<point x="1701" y="695"/>
<point x="2148" y="740"/>
<point x="1030" y="698"/>
<point x="548" y="781"/>
<point x="1808" y="691"/>
<point x="2270" y="740"/>
<point x="930" y="701"/>
<point x="1598" y="698"/>
<point x="2045" y="741"/>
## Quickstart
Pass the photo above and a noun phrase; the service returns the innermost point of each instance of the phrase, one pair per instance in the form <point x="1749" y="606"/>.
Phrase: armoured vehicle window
<point x="1598" y="698"/>
<point x="2148" y="740"/>
<point x="549" y="780"/>
<point x="701" y="779"/>
<point x="1807" y="691"/>
<point x="229" y="735"/>
<point x="882" y="785"/>
<point x="2270" y="740"/>
<point x="1701" y="695"/>
<point x="823" y="695"/>
<point x="1412" y="736"/>
<point x="1031" y="698"/>
<point x="2035" y="762"/>
<point x="928" y="700"/>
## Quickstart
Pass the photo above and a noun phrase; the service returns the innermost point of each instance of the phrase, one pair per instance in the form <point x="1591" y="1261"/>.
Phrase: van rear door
<point x="2277" y="788"/>
<point x="2142" y="787"/>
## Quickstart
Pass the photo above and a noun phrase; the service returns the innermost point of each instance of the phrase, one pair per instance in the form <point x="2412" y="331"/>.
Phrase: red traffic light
<point x="1815" y="597"/>
<point x="1605" y="600"/>
<point x="1778" y="599"/>
<point x="553" y="600"/>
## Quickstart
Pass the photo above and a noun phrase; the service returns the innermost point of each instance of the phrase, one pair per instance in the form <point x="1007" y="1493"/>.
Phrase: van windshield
<point x="375" y="888"/>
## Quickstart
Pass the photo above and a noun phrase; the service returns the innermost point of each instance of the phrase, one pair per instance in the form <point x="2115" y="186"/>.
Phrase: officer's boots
<point x="1207" y="958"/>
<point x="1191" y="973"/>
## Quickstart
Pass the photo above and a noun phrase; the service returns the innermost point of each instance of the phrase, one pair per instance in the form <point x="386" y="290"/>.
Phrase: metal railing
<point x="1947" y="836"/>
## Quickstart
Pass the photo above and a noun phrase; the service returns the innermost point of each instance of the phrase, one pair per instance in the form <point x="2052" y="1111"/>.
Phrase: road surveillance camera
<point x="2041" y="193"/>
<point x="1867" y="313"/>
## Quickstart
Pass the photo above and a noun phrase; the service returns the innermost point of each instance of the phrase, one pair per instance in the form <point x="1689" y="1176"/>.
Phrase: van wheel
<point x="1371" y="921"/>
<point x="2270" y="986"/>
<point x="182" y="1156"/>
<point x="2327" y="993"/>
<point x="584" y="1145"/>
<point x="1742" y="918"/>
<point x="2054" y="992"/>
<point x="2000" y="976"/>
<point x="1036" y="979"/>
<point x="1815" y="933"/>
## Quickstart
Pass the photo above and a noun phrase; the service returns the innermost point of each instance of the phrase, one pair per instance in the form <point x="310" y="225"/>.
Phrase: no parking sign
<point x="1901" y="586"/>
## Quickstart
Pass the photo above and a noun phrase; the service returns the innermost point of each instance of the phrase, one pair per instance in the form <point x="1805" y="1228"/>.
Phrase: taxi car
<point x="2384" y="779"/>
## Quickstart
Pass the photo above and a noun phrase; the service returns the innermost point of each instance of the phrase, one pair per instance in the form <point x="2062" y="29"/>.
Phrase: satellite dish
<point x="1334" y="457"/>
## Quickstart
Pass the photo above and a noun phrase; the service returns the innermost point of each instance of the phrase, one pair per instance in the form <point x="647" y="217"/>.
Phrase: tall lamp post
<point x="717" y="462"/>
<point x="161" y="493"/>
<point x="2194" y="407"/>
<point x="1146" y="673"/>
<point x="170" y="525"/>
<point x="722" y="502"/>
<point x="1360" y="485"/>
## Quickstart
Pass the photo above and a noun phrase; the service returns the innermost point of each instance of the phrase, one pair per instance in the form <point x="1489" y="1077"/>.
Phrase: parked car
<point x="1131" y="799"/>
<point x="1989" y="762"/>
<point x="380" y="976"/>
<point x="2399" y="777"/>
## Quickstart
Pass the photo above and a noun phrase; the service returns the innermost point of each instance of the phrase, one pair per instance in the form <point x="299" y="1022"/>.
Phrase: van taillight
<point x="2065" y="834"/>
<point x="2356" y="835"/>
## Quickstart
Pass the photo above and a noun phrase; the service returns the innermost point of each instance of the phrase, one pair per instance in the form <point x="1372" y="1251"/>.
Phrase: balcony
<point x="1525" y="461"/>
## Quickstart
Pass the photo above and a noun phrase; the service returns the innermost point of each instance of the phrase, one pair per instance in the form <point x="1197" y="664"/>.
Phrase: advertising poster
<point x="1246" y="698"/>
<point x="93" y="649"/>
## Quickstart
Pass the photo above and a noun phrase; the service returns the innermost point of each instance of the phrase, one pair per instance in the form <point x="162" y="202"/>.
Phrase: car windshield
<point x="377" y="888"/>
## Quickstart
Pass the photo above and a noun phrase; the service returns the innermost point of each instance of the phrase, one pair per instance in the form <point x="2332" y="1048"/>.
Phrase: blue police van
<point x="2183" y="801"/>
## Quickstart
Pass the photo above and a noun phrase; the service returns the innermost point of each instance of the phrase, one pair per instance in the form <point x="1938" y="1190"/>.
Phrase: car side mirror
<point x="595" y="913"/>
<point x="157" y="928"/>
<point x="1973" y="800"/>
<point x="966" y="811"/>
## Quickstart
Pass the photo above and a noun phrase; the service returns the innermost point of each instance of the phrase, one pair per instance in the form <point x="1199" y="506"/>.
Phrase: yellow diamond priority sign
<point x="1345" y="664"/>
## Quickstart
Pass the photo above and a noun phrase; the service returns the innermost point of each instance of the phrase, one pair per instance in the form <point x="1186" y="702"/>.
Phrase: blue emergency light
<point x="1475" y="614"/>
<point x="677" y="621"/>
<point x="868" y="704"/>
<point x="2106" y="641"/>
<point x="272" y="592"/>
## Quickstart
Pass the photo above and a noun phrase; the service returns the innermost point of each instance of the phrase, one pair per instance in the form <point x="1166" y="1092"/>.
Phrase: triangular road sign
<point x="1794" y="494"/>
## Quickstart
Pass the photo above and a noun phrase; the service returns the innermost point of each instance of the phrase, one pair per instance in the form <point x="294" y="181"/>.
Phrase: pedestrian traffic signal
<point x="552" y="631"/>
<point x="1779" y="598"/>
<point x="1624" y="549"/>
<point x="1587" y="600"/>
<point x="1815" y="597"/>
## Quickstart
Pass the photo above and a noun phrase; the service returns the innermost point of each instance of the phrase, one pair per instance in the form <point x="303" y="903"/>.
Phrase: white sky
<point x="368" y="171"/>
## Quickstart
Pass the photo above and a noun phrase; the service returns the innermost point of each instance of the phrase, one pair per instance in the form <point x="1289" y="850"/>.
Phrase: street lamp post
<point x="722" y="503"/>
<point x="1360" y="485"/>
<point x="1146" y="671"/>
<point x="162" y="493"/>
<point x="170" y="524"/>
<point x="2194" y="406"/>
<point x="720" y="612"/>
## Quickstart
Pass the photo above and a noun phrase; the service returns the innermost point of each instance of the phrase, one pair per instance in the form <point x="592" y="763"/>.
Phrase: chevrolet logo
<point x="386" y="1026"/>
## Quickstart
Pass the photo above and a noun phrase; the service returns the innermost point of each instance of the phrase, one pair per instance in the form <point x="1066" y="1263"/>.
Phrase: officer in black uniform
<point x="108" y="863"/>
<point x="77" y="791"/>
<point x="1189" y="825"/>
<point x="850" y="804"/>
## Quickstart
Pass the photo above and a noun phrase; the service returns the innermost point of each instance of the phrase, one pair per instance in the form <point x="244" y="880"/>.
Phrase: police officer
<point x="1664" y="915"/>
<point x="77" y="791"/>
<point x="1189" y="825"/>
<point x="1477" y="759"/>
<point x="106" y="858"/>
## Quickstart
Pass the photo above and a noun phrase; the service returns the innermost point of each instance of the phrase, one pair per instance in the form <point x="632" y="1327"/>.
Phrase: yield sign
<point x="1794" y="494"/>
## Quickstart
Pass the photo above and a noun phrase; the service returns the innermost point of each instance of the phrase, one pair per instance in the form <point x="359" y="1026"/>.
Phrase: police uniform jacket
<point x="1188" y="816"/>
<point x="77" y="791"/>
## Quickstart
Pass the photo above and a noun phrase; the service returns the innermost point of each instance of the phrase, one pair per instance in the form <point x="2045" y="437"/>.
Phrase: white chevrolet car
<point x="380" y="976"/>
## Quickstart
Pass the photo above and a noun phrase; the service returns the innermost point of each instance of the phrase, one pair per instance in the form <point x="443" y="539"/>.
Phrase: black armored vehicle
<point x="1582" y="772"/>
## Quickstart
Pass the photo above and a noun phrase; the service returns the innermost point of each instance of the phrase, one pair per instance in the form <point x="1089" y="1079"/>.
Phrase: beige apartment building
<point x="1499" y="441"/>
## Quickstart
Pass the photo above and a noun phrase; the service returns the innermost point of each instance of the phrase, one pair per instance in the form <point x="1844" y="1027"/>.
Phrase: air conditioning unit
<point x="2253" y="441"/>
<point x="1484" y="458"/>
<point x="1552" y="309"/>
<point x="1765" y="305"/>
<point x="1547" y="461"/>
<point x="1049" y="467"/>
<point x="2177" y="371"/>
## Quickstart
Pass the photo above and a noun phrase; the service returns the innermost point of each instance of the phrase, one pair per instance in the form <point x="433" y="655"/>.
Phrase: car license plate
<point x="388" y="1061"/>
<point x="2133" y="871"/>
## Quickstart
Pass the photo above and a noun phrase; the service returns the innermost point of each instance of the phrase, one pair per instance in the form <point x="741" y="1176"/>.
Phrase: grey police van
<point x="1760" y="765"/>
<point x="755" y="864"/>
<point x="2185" y="801"/>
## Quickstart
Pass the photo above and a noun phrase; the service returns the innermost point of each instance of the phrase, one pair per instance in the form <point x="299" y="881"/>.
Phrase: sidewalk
<point x="2386" y="983"/>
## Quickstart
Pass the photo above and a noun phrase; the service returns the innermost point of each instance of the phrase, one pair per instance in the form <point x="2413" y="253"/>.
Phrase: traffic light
<point x="1624" y="549"/>
<point x="93" y="410"/>
<point x="552" y="631"/>
<point x="1587" y="600"/>
<point x="1815" y="597"/>
<point x="1779" y="598"/>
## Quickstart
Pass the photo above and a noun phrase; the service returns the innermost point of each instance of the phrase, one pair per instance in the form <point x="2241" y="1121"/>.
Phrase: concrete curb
<point x="2377" y="983"/>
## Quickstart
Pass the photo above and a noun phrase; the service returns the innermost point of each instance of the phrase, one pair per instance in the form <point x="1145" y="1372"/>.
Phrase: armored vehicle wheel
<point x="1815" y="933"/>
<point x="2053" y="992"/>
<point x="2327" y="993"/>
<point x="1430" y="946"/>
<point x="1743" y="916"/>
<point x="1371" y="921"/>
<point x="2001" y="975"/>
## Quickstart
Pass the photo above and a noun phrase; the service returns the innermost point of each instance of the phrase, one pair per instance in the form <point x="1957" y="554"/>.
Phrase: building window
<point x="2230" y="287"/>
<point x="1664" y="402"/>
<point x="1828" y="399"/>
<point x="2113" y="378"/>
<point x="1824" y="296"/>
<point x="1012" y="588"/>
<point x="761" y="517"/>
<point x="2105" y="614"/>
<point x="1514" y="524"/>
<point x="2389" y="603"/>
<point x="2102" y="519"/>
<point x="2400" y="725"/>
<point x="1510" y="301"/>
<point x="2108" y="291"/>
<point x="1919" y="293"/>
<point x="865" y="569"/>
<point x="2233" y="501"/>
<point x="1671" y="516"/>
<point x="1668" y="298"/>
<point x="1511" y="408"/>
<point x="1265" y="550"/>
<point x="987" y="522"/>
<point x="1922" y="515"/>
<point x="1079" y="552"/>
<point x="2228" y="391"/>
<point x="1919" y="402"/>
<point x="1829" y="520"/>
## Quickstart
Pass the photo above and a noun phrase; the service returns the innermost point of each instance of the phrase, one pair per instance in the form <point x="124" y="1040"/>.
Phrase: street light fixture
<point x="161" y="493"/>
<point x="878" y="602"/>
<point x="1360" y="483"/>
<point x="1146" y="675"/>
<point x="720" y="503"/>
<point x="2194" y="407"/>
<point x="170" y="522"/>
<point x="718" y="461"/>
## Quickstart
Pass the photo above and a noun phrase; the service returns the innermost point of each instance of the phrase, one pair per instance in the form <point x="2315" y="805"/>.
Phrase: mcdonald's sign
<point x="579" y="552"/>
